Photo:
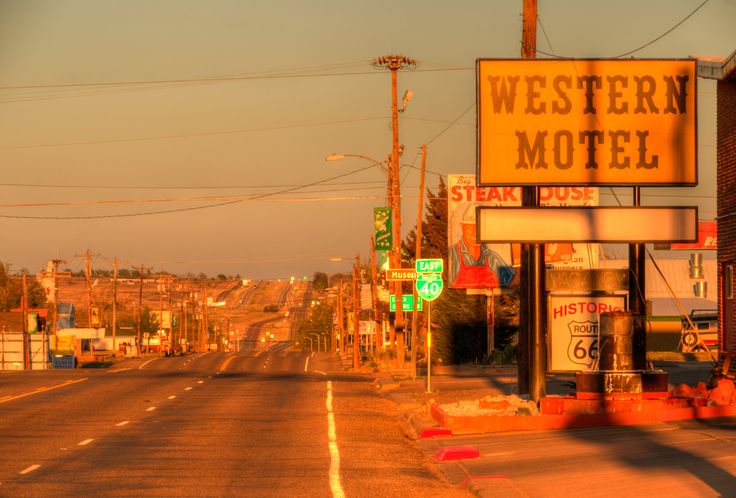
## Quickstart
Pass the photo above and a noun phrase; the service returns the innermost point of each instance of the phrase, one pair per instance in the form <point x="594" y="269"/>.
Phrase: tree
<point x="319" y="323"/>
<point x="320" y="281"/>
<point x="459" y="323"/>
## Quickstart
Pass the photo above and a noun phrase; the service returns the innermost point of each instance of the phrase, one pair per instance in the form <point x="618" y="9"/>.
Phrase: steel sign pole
<point x="637" y="295"/>
<point x="429" y="346"/>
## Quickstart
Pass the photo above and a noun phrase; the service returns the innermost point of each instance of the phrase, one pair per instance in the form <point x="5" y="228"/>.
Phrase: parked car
<point x="706" y="324"/>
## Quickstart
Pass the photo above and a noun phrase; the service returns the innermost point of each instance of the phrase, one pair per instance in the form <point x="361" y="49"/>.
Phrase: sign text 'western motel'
<point x="586" y="122"/>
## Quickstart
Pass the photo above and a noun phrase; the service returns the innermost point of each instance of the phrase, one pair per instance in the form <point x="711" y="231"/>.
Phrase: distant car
<point x="706" y="323"/>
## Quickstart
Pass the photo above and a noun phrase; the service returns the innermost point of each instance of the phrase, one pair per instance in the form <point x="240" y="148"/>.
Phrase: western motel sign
<point x="586" y="122"/>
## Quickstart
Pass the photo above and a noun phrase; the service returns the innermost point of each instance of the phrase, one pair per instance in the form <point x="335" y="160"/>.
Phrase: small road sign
<point x="407" y="303"/>
<point x="400" y="274"/>
<point x="429" y="266"/>
<point x="429" y="286"/>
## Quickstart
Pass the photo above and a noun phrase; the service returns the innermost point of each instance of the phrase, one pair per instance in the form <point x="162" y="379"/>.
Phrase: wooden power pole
<point x="394" y="63"/>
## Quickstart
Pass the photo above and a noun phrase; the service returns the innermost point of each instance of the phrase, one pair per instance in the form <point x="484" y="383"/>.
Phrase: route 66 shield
<point x="583" y="346"/>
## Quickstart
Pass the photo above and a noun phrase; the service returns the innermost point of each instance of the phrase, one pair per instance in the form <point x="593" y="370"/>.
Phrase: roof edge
<point x="717" y="70"/>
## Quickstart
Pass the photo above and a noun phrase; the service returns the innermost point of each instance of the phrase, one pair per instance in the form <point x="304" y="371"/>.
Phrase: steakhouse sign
<point x="586" y="122"/>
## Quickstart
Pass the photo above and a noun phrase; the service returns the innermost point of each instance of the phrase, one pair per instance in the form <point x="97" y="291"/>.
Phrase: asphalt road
<point x="215" y="424"/>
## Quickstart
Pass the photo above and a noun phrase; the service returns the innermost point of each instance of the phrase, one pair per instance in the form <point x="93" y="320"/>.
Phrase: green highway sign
<point x="407" y="303"/>
<point x="429" y="265"/>
<point x="429" y="286"/>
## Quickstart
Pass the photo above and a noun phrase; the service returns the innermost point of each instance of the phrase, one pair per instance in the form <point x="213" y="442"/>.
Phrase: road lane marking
<point x="335" y="485"/>
<point x="188" y="388"/>
<point x="30" y="469"/>
<point x="85" y="442"/>
<point x="119" y="370"/>
<point x="150" y="408"/>
<point x="226" y="363"/>
<point x="320" y="372"/>
<point x="41" y="390"/>
<point x="200" y="382"/>
<point x="172" y="397"/>
<point x="146" y="363"/>
<point x="306" y="364"/>
<point x="124" y="422"/>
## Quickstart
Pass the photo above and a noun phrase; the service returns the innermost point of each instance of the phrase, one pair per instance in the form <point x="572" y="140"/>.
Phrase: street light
<point x="393" y="199"/>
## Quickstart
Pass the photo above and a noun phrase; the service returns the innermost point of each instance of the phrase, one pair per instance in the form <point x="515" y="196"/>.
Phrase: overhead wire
<point x="638" y="49"/>
<point x="191" y="208"/>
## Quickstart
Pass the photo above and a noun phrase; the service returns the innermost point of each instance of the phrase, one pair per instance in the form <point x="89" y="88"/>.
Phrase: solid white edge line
<point x="146" y="363"/>
<point x="335" y="485"/>
<point x="29" y="469"/>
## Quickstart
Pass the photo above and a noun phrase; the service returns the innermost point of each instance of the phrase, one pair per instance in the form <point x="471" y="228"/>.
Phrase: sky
<point x="190" y="136"/>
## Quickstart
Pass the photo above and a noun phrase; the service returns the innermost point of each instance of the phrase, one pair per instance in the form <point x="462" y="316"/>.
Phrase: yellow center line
<point x="226" y="363"/>
<point x="42" y="389"/>
<point x="119" y="370"/>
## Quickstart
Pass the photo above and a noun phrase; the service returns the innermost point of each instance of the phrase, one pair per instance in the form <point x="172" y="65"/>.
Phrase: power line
<point x="193" y="135"/>
<point x="215" y="79"/>
<point x="636" y="49"/>
<point x="193" y="208"/>
<point x="453" y="123"/>
<point x="187" y="187"/>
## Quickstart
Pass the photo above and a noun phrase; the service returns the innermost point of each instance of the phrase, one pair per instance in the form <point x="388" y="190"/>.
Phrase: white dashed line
<point x="30" y="469"/>
<point x="172" y="397"/>
<point x="124" y="422"/>
<point x="306" y="364"/>
<point x="200" y="382"/>
<point x="150" y="408"/>
<point x="188" y="388"/>
<point x="85" y="442"/>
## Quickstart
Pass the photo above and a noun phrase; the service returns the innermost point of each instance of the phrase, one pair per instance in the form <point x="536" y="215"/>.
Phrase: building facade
<point x="725" y="74"/>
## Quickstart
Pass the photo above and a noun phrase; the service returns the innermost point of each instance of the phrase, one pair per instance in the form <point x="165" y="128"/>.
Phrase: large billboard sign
<point x="586" y="122"/>
<point x="472" y="265"/>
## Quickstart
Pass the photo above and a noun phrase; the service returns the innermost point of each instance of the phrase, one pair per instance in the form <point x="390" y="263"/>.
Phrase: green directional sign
<point x="407" y="303"/>
<point x="429" y="286"/>
<point x="429" y="265"/>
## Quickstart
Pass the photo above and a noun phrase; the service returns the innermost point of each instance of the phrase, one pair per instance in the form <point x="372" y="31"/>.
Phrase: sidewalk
<point x="450" y="384"/>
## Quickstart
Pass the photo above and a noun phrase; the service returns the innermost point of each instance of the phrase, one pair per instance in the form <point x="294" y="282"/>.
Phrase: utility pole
<point x="140" y="269"/>
<point x="532" y="361"/>
<point x="114" y="305"/>
<point x="417" y="255"/>
<point x="24" y="310"/>
<point x="356" y="312"/>
<point x="394" y="63"/>
<point x="55" y="269"/>
<point x="341" y="320"/>
<point x="88" y="274"/>
<point x="377" y="344"/>
<point x="183" y="312"/>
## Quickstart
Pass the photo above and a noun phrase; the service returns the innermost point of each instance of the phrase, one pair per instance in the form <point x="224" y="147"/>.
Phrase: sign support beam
<point x="637" y="293"/>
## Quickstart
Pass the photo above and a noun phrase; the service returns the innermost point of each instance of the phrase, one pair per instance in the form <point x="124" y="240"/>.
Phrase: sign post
<point x="429" y="287"/>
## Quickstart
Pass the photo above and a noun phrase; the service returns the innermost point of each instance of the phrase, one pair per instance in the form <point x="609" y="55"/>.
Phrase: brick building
<point x="725" y="74"/>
